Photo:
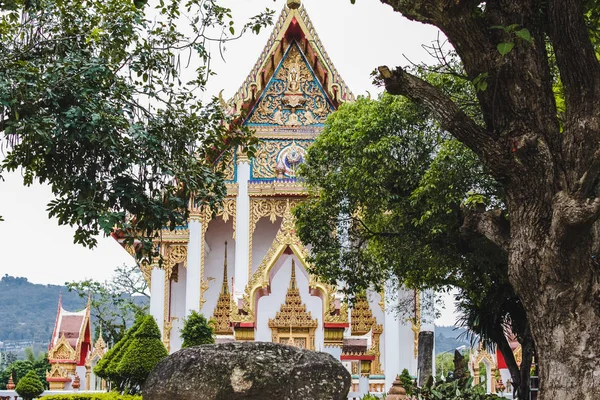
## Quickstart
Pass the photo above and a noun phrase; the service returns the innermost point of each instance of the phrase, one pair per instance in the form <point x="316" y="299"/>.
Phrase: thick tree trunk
<point x="552" y="272"/>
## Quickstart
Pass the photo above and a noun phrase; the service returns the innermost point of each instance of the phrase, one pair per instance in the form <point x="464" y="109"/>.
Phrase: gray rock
<point x="251" y="370"/>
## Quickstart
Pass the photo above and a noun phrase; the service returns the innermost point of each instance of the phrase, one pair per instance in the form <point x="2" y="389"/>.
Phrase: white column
<point x="193" y="278"/>
<point x="391" y="343"/>
<point x="157" y="296"/>
<point x="242" y="229"/>
<point x="363" y="384"/>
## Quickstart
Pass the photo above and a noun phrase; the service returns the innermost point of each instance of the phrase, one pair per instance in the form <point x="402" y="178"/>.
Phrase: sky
<point x="358" y="39"/>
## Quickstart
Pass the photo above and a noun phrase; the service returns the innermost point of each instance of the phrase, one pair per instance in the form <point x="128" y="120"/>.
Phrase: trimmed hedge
<point x="91" y="396"/>
<point x="30" y="386"/>
<point x="144" y="351"/>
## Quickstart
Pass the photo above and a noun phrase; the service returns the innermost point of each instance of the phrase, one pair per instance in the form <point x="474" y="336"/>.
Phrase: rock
<point x="248" y="370"/>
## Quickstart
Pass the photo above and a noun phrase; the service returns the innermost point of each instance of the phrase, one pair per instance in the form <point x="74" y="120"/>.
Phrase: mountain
<point x="28" y="310"/>
<point x="448" y="338"/>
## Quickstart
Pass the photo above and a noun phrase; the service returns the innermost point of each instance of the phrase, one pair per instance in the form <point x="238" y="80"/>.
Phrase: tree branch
<point x="573" y="212"/>
<point x="451" y="117"/>
<point x="586" y="183"/>
<point x="492" y="224"/>
<point x="575" y="54"/>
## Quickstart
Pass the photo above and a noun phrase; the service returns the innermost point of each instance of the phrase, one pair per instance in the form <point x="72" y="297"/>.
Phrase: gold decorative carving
<point x="293" y="96"/>
<point x="227" y="165"/>
<point x="167" y="330"/>
<point x="244" y="334"/>
<point x="382" y="300"/>
<point x="260" y="208"/>
<point x="276" y="188"/>
<point x="292" y="319"/>
<point x="416" y="322"/>
<point x="518" y="352"/>
<point x="375" y="349"/>
<point x="62" y="350"/>
<point x="57" y="371"/>
<point x="222" y="310"/>
<point x="270" y="152"/>
<point x="483" y="356"/>
<point x="175" y="254"/>
<point x="336" y="315"/>
<point x="362" y="319"/>
<point x="146" y="269"/>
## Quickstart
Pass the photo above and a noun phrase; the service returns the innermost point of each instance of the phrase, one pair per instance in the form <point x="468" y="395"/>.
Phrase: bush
<point x="144" y="351"/>
<point x="30" y="386"/>
<point x="196" y="331"/>
<point x="455" y="390"/>
<point x="107" y="366"/>
<point x="91" y="396"/>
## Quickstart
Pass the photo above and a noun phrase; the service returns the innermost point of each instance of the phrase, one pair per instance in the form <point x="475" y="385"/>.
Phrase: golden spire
<point x="293" y="277"/>
<point x="223" y="308"/>
<point x="225" y="287"/>
<point x="293" y="4"/>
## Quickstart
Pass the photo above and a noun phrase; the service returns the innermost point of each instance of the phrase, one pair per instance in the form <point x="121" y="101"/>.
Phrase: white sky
<point x="358" y="38"/>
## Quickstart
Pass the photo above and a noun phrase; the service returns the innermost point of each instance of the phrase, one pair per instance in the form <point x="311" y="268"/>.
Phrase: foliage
<point x="30" y="386"/>
<point x="454" y="390"/>
<point x="115" y="304"/>
<point x="93" y="102"/>
<point x="197" y="331"/>
<point x="20" y="368"/>
<point x="92" y="396"/>
<point x="443" y="365"/>
<point x="408" y="382"/>
<point x="392" y="199"/>
<point x="108" y="365"/>
<point x="144" y="351"/>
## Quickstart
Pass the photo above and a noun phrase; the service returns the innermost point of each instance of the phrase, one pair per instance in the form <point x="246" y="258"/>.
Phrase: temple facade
<point x="246" y="268"/>
<point x="70" y="353"/>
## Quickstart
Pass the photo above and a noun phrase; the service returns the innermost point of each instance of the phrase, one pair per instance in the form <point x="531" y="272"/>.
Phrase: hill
<point x="28" y="310"/>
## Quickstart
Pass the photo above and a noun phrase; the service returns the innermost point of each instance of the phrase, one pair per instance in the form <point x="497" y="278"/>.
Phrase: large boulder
<point x="251" y="370"/>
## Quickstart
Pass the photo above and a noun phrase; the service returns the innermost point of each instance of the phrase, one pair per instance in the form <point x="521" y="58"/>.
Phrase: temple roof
<point x="72" y="328"/>
<point x="292" y="26"/>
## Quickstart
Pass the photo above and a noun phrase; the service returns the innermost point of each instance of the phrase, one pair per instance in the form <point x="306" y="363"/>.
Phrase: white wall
<point x="217" y="234"/>
<point x="269" y="305"/>
<point x="264" y="234"/>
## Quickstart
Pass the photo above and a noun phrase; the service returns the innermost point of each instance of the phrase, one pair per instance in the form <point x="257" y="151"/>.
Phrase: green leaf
<point x="524" y="34"/>
<point x="505" y="47"/>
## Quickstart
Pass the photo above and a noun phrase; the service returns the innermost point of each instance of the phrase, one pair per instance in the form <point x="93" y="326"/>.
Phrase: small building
<point x="70" y="352"/>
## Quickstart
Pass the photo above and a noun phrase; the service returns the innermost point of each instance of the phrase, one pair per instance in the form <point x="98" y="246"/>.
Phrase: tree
<point x="93" y="103"/>
<point x="144" y="351"/>
<point x="107" y="367"/>
<point x="29" y="387"/>
<point x="547" y="162"/>
<point x="197" y="331"/>
<point x="395" y="191"/>
<point x="19" y="368"/>
<point x="117" y="303"/>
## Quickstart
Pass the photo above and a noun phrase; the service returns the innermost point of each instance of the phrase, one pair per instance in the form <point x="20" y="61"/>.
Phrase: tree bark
<point x="549" y="169"/>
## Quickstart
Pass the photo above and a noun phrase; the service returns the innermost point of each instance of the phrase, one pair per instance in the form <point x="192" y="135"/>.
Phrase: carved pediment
<point x="62" y="350"/>
<point x="57" y="372"/>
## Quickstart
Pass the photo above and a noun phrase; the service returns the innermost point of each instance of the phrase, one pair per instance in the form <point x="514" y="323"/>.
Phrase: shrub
<point x="407" y="381"/>
<point x="196" y="331"/>
<point x="30" y="386"/>
<point x="91" y="396"/>
<point x="144" y="351"/>
<point x="107" y="366"/>
<point x="455" y="390"/>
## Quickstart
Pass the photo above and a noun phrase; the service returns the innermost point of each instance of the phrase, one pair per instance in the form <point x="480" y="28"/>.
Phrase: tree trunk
<point x="551" y="269"/>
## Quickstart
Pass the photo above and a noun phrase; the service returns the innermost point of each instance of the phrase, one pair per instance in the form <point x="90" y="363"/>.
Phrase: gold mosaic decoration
<point x="375" y="350"/>
<point x="293" y="97"/>
<point x="270" y="152"/>
<point x="292" y="320"/>
<point x="222" y="310"/>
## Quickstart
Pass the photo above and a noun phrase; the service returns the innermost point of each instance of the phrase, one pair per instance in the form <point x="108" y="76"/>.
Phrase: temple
<point x="71" y="354"/>
<point x="257" y="288"/>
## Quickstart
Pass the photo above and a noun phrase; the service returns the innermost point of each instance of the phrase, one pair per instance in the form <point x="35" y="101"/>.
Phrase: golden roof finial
<point x="293" y="4"/>
<point x="225" y="288"/>
<point x="293" y="277"/>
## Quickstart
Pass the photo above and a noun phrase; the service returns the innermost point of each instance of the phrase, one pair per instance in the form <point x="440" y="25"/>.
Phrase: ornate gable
<point x="293" y="97"/>
<point x="292" y="29"/>
<point x="62" y="350"/>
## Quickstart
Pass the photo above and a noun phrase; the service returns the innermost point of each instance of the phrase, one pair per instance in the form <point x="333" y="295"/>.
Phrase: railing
<point x="12" y="395"/>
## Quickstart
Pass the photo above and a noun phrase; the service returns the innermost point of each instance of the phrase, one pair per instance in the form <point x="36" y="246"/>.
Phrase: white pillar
<point x="363" y="384"/>
<point x="391" y="343"/>
<point x="242" y="229"/>
<point x="157" y="296"/>
<point x="193" y="278"/>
